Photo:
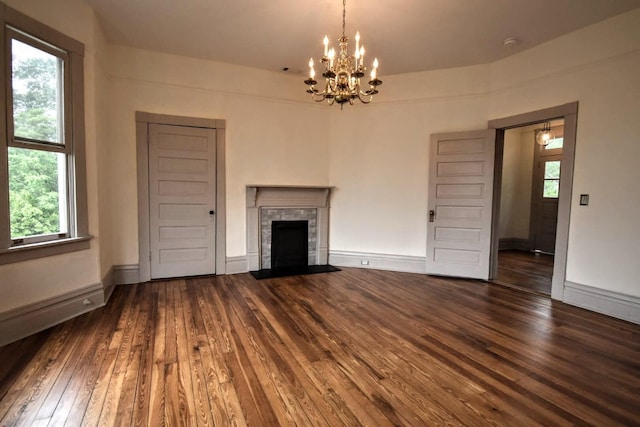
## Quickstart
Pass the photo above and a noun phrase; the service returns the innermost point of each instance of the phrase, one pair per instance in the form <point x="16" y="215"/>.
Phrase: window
<point x="551" y="189"/>
<point x="555" y="143"/>
<point x="42" y="182"/>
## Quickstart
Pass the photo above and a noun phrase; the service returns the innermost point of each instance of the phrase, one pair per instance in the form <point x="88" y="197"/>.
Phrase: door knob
<point x="212" y="212"/>
<point x="432" y="215"/>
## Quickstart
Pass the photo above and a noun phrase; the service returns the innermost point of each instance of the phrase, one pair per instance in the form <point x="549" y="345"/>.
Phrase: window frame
<point x="545" y="179"/>
<point x="16" y="25"/>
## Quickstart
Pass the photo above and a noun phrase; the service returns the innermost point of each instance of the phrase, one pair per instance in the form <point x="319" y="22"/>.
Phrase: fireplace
<point x="268" y="215"/>
<point x="267" y="204"/>
<point x="289" y="245"/>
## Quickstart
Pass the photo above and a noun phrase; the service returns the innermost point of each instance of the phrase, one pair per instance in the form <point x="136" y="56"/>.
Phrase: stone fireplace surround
<point x="266" y="203"/>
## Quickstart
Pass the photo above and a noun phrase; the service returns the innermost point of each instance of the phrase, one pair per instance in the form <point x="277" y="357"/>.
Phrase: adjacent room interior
<point x="528" y="213"/>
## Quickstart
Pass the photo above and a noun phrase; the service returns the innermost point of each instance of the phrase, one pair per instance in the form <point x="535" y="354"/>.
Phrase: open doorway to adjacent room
<point x="528" y="215"/>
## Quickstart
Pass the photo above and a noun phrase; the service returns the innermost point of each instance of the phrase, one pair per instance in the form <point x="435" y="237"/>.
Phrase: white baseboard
<point x="404" y="263"/>
<point x="236" y="264"/>
<point x="611" y="303"/>
<point x="27" y="320"/>
<point x="514" y="243"/>
<point x="130" y="274"/>
<point x="126" y="274"/>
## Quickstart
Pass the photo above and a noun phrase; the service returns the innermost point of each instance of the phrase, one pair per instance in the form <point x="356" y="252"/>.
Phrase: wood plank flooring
<point x="525" y="270"/>
<point x="355" y="347"/>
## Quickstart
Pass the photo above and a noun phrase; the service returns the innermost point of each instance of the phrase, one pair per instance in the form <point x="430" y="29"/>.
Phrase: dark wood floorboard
<point x="355" y="347"/>
<point x="525" y="270"/>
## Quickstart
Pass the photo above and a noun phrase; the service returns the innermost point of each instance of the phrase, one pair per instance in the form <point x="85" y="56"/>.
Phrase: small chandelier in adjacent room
<point x="343" y="73"/>
<point x="545" y="135"/>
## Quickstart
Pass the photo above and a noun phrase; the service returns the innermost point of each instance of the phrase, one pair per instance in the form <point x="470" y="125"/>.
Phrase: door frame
<point x="143" y="120"/>
<point x="569" y="112"/>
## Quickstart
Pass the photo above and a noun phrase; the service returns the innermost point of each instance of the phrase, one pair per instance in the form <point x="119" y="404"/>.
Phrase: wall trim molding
<point x="108" y="284"/>
<point x="23" y="321"/>
<point x="401" y="263"/>
<point x="514" y="243"/>
<point x="237" y="264"/>
<point x="29" y="319"/>
<point x="611" y="303"/>
<point x="126" y="274"/>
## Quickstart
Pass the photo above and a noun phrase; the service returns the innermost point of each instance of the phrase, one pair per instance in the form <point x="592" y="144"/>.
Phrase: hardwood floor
<point x="525" y="270"/>
<point x="355" y="347"/>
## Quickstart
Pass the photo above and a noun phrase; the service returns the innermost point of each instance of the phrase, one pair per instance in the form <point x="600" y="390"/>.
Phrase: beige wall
<point x="273" y="136"/>
<point x="517" y="170"/>
<point x="380" y="205"/>
<point x="379" y="155"/>
<point x="375" y="155"/>
<point x="28" y="282"/>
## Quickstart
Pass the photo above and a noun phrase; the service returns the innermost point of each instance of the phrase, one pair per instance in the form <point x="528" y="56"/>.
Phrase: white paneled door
<point x="182" y="197"/>
<point x="460" y="204"/>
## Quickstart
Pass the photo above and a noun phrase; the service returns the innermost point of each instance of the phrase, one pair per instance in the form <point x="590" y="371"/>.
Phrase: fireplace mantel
<point x="261" y="197"/>
<point x="288" y="196"/>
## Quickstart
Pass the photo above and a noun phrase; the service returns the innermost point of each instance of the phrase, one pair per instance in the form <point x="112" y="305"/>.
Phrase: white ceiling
<point x="406" y="35"/>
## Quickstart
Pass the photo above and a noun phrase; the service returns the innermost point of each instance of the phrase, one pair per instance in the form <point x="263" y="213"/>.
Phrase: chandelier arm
<point x="365" y="101"/>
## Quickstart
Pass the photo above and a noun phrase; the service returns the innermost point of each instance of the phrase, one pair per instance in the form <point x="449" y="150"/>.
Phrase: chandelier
<point x="343" y="73"/>
<point x="545" y="135"/>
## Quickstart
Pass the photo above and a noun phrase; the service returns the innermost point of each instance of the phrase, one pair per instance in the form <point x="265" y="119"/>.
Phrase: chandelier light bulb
<point x="312" y="72"/>
<point x="343" y="72"/>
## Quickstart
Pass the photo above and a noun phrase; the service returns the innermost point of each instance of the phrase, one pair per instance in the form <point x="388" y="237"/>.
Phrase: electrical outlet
<point x="364" y="262"/>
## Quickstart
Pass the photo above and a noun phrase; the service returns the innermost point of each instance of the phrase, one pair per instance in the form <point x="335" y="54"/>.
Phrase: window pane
<point x="37" y="192"/>
<point x="554" y="143"/>
<point x="551" y="188"/>
<point x="552" y="169"/>
<point x="36" y="78"/>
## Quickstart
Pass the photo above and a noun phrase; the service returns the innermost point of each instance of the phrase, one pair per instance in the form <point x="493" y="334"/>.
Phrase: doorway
<point x="528" y="214"/>
<point x="171" y="180"/>
<point x="182" y="201"/>
<point x="543" y="240"/>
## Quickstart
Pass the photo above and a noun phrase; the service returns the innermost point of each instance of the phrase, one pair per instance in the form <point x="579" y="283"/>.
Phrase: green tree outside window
<point x="34" y="193"/>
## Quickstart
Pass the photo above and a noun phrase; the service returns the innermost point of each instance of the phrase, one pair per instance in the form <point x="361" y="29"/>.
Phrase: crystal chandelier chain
<point x="343" y="72"/>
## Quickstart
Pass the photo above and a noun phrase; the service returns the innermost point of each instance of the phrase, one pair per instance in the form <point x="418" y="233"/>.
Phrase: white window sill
<point x="43" y="249"/>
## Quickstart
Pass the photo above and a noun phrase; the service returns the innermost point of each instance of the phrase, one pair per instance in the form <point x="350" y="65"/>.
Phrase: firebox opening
<point x="289" y="245"/>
